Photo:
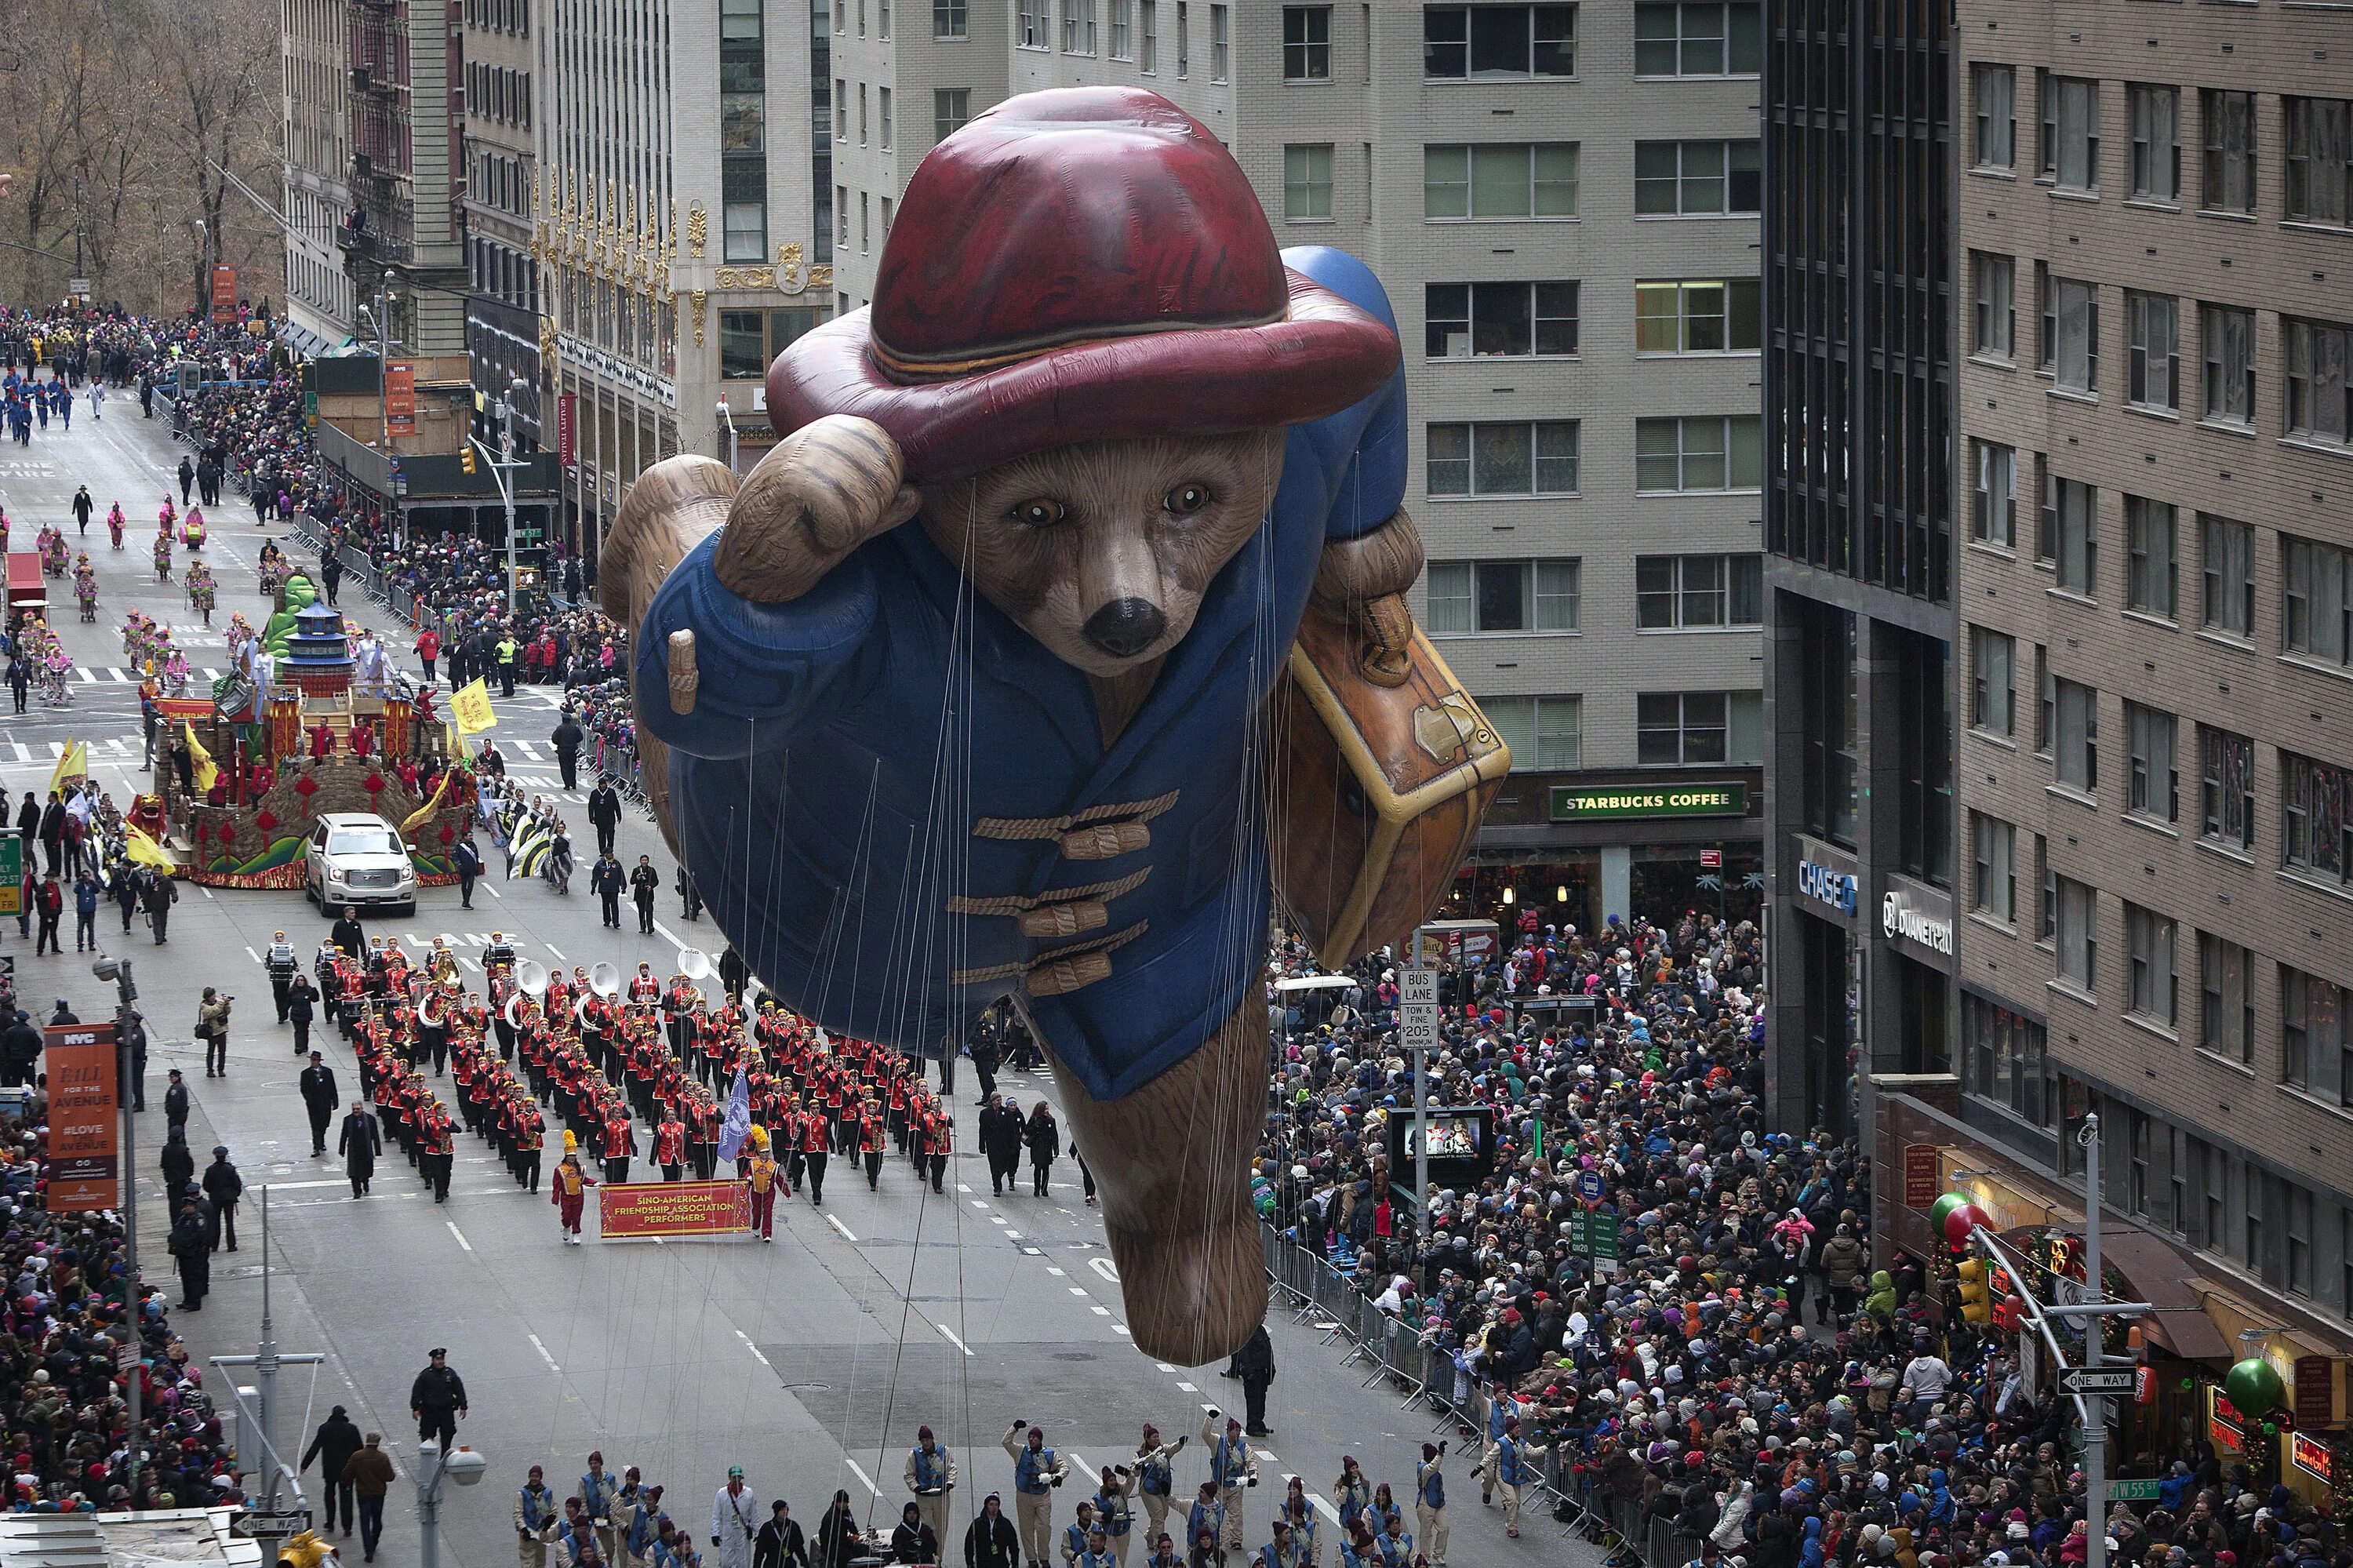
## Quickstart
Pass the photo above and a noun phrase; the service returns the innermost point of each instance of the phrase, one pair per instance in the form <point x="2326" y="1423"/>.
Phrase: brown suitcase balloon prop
<point x="1413" y="764"/>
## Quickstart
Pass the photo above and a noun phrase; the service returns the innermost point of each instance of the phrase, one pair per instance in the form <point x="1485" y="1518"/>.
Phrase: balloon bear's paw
<point x="1196" y="1289"/>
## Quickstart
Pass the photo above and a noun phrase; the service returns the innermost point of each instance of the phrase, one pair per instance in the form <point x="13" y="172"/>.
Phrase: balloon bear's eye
<point x="1040" y="514"/>
<point x="1186" y="499"/>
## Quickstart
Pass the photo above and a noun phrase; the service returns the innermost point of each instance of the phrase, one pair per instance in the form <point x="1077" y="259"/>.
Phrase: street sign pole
<point x="1418" y="1030"/>
<point x="2096" y="1411"/>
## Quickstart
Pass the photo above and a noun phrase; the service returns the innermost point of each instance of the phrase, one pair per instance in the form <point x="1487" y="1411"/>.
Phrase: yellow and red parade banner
<point x="633" y="1209"/>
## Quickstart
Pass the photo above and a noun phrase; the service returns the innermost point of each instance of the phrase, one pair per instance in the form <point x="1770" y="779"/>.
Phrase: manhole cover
<point x="1075" y="1356"/>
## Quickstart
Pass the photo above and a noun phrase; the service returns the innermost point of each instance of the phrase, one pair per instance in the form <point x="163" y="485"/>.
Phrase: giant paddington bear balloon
<point x="1060" y="634"/>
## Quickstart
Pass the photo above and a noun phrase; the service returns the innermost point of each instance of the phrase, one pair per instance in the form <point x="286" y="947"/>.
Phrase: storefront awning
<point x="2158" y="1275"/>
<point x="302" y="340"/>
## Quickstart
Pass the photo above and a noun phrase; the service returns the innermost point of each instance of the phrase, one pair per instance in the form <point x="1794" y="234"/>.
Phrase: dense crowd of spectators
<point x="64" y="1389"/>
<point x="1741" y="1388"/>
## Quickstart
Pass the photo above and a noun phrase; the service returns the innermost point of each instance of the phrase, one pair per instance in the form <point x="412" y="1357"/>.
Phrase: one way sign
<point x="2093" y="1380"/>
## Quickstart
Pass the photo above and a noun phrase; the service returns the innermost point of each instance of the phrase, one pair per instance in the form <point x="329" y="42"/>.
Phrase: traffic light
<point x="466" y="461"/>
<point x="1976" y="1304"/>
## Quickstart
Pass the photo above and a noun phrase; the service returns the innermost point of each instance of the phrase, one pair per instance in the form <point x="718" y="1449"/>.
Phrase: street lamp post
<point x="435" y="1463"/>
<point x="502" y="467"/>
<point x="727" y="419"/>
<point x="125" y="993"/>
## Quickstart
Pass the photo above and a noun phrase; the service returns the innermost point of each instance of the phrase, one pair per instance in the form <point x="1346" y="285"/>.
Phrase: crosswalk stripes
<point x="89" y="675"/>
<point x="119" y="678"/>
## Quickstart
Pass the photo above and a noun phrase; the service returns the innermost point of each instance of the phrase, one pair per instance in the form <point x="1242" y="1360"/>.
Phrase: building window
<point x="2227" y="575"/>
<point x="1993" y="878"/>
<point x="1122" y="29"/>
<point x="864" y="120"/>
<point x="1993" y="105"/>
<point x="2148" y="953"/>
<point x="2317" y="818"/>
<point x="1467" y="597"/>
<point x="2155" y="114"/>
<point x="2226" y="788"/>
<point x="1829" y="722"/>
<point x="1030" y="23"/>
<point x="1697" y="316"/>
<point x="2070" y="537"/>
<point x="2319" y="159"/>
<point x="2315" y="608"/>
<point x="2313" y="1045"/>
<point x="1544" y="733"/>
<point x="2070" y="129"/>
<point x="1686" y="591"/>
<point x="840" y="109"/>
<point x="1686" y="730"/>
<point x="951" y="19"/>
<point x="2075" y="734"/>
<point x="1515" y="457"/>
<point x="1220" y="40"/>
<point x="882" y="19"/>
<point x="1698" y="454"/>
<point x="1148" y="17"/>
<point x="1696" y="179"/>
<point x="951" y="109"/>
<point x="1994" y="315"/>
<point x="1499" y="179"/>
<point x="2008" y="1062"/>
<point x="1993" y="504"/>
<point x="2077" y="933"/>
<point x="2226" y="999"/>
<point x="1698" y="37"/>
<point x="2151" y="580"/>
<point x="865" y="222"/>
<point x="743" y="114"/>
<point x="2319" y="392"/>
<point x="1308" y="182"/>
<point x="1306" y="42"/>
<point x="2153" y="344"/>
<point x="1497" y="43"/>
<point x="2046" y="885"/>
<point x="1480" y="321"/>
<point x="1993" y="681"/>
<point x="1078" y="27"/>
<point x="2071" y="332"/>
<point x="740" y="354"/>
<point x="2230" y="163"/>
<point x="2154" y="788"/>
<point x="2228" y="335"/>
<point x="886" y="121"/>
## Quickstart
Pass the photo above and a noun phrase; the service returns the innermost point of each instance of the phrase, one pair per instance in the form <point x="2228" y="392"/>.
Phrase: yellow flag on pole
<point x="426" y="810"/>
<point x="72" y="763"/>
<point x="205" y="770"/>
<point x="144" y="851"/>
<point x="469" y="707"/>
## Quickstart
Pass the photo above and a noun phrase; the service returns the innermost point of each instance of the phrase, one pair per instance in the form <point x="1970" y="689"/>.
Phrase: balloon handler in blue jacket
<point x="1023" y="748"/>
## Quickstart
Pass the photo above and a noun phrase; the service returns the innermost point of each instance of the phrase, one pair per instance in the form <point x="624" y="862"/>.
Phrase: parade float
<point x="310" y="720"/>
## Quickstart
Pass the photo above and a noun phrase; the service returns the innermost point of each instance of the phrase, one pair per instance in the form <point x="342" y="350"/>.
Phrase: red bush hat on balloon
<point x="1081" y="264"/>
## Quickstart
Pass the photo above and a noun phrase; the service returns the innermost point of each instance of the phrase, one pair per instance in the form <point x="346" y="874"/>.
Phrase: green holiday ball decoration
<point x="2254" y="1387"/>
<point x="1943" y="1206"/>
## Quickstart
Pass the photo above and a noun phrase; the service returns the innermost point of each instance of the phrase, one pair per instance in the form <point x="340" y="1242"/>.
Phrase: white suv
<point x="358" y="858"/>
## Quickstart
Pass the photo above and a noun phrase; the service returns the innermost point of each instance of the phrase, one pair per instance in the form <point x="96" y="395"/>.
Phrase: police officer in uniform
<point x="437" y="1400"/>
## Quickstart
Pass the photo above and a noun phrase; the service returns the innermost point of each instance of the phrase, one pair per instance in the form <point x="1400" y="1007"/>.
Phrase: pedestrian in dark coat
<point x="1043" y="1134"/>
<point x="319" y="1097"/>
<point x="175" y="1106"/>
<point x="1000" y="1140"/>
<point x="359" y="1144"/>
<point x="332" y="1445"/>
<point x="224" y="1186"/>
<point x="188" y="1248"/>
<point x="991" y="1541"/>
<point x="178" y="1163"/>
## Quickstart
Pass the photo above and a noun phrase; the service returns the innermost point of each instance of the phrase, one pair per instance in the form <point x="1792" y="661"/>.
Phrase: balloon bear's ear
<point x="672" y="507"/>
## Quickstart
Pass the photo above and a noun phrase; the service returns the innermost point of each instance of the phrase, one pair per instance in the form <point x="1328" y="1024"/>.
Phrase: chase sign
<point x="1823" y="885"/>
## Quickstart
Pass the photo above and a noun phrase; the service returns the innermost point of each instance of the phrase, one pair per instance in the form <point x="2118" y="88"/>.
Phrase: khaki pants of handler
<point x="531" y="1551"/>
<point x="1491" y="1466"/>
<point x="1036" y="1517"/>
<point x="1510" y="1506"/>
<point x="1432" y="1521"/>
<point x="1231" y="1537"/>
<point x="933" y="1508"/>
<point x="1155" y="1513"/>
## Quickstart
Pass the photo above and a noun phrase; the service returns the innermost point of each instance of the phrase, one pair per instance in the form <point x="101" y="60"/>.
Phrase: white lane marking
<point x="119" y="678"/>
<point x="22" y="754"/>
<point x="1093" y="1474"/>
<point x="253" y="955"/>
<point x="1164" y="1366"/>
<point x="557" y="951"/>
<point x="89" y="676"/>
<point x="998" y="1220"/>
<point x="1210" y="1408"/>
<point x="755" y="1350"/>
<point x="57" y="749"/>
<point x="1013" y="1235"/>
<point x="543" y="1353"/>
<point x="1105" y="1268"/>
<point x="1191" y="1388"/>
<point x="836" y="1224"/>
<point x="962" y="1188"/>
<point x="980" y="1203"/>
<point x="856" y="1470"/>
<point x="1099" y="1311"/>
<point x="497" y="895"/>
<point x="950" y="1334"/>
<point x="1056" y="1273"/>
<point x="212" y="674"/>
<point x="460" y="1234"/>
<point x="1119" y="1329"/>
<point x="1077" y="1290"/>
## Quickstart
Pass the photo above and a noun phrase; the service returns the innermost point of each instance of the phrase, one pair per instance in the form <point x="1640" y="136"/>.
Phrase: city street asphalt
<point x="810" y="1363"/>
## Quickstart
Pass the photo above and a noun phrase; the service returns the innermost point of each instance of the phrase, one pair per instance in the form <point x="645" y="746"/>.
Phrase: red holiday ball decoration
<point x="1960" y="1223"/>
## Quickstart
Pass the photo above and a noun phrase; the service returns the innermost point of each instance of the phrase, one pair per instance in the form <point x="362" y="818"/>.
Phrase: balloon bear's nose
<point x="1127" y="627"/>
